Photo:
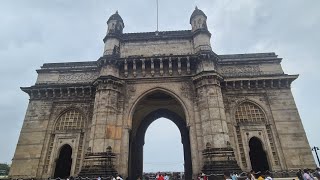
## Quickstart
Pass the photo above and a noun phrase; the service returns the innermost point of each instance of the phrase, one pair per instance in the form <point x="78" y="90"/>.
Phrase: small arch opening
<point x="258" y="156"/>
<point x="64" y="162"/>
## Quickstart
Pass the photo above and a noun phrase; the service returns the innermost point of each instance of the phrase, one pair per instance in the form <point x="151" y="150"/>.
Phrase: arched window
<point x="249" y="113"/>
<point x="70" y="120"/>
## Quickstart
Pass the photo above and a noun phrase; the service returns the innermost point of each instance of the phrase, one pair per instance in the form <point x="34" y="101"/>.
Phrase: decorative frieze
<point x="158" y="66"/>
<point x="238" y="71"/>
<point x="77" y="77"/>
<point x="186" y="90"/>
<point x="258" y="83"/>
<point x="56" y="92"/>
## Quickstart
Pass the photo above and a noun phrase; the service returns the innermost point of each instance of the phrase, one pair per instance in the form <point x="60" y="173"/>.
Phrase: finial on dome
<point x="117" y="12"/>
<point x="196" y="7"/>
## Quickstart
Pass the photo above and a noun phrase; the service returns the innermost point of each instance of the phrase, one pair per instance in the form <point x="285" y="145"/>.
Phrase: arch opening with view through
<point x="152" y="107"/>
<point x="163" y="149"/>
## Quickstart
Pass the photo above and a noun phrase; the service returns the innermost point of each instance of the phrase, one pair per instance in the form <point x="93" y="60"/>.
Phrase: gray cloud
<point x="35" y="32"/>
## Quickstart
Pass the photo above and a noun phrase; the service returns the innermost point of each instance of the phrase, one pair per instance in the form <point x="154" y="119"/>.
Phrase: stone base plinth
<point x="98" y="165"/>
<point x="219" y="160"/>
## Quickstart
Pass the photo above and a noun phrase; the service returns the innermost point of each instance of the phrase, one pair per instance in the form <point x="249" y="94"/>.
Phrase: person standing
<point x="166" y="177"/>
<point x="252" y="177"/>
<point x="161" y="177"/>
<point x="300" y="174"/>
<point x="317" y="173"/>
<point x="119" y="177"/>
<point x="226" y="175"/>
<point x="268" y="176"/>
<point x="306" y="175"/>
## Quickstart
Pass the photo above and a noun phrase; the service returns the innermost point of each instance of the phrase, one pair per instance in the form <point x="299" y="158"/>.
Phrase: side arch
<point x="63" y="162"/>
<point x="258" y="155"/>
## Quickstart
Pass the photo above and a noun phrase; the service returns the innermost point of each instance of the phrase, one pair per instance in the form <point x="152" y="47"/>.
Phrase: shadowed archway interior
<point x="153" y="107"/>
<point x="258" y="156"/>
<point x="64" y="162"/>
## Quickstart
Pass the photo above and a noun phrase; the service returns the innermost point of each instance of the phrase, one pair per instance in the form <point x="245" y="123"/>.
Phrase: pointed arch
<point x="63" y="162"/>
<point x="149" y="106"/>
<point x="70" y="119"/>
<point x="258" y="155"/>
<point x="249" y="112"/>
<point x="151" y="91"/>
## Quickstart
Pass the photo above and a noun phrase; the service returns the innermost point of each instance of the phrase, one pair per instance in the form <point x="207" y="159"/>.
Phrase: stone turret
<point x="115" y="29"/>
<point x="201" y="38"/>
<point x="198" y="20"/>
<point x="115" y="24"/>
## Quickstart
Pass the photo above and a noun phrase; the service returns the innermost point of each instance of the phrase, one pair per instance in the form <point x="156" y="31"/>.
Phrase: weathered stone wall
<point x="250" y="70"/>
<point x="282" y="135"/>
<point x="31" y="141"/>
<point x="55" y="139"/>
<point x="294" y="143"/>
<point x="240" y="134"/>
<point x="66" y="77"/>
<point x="159" y="47"/>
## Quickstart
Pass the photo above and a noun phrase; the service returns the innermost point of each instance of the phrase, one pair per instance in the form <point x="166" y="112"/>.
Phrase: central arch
<point x="150" y="108"/>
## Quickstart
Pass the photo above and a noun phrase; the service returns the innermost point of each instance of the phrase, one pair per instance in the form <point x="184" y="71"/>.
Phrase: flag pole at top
<point x="157" y="15"/>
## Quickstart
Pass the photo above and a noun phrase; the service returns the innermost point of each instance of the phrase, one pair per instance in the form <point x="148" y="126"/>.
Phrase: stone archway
<point x="258" y="156"/>
<point x="64" y="162"/>
<point x="156" y="105"/>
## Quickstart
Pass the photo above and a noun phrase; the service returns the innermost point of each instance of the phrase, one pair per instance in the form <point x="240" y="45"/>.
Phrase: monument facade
<point x="234" y="111"/>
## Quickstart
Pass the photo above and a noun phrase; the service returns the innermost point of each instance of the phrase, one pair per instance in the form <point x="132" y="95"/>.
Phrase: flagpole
<point x="157" y="15"/>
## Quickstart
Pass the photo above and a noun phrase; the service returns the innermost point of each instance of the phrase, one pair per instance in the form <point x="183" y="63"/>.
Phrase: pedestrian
<point x="268" y="176"/>
<point x="260" y="177"/>
<point x="252" y="175"/>
<point x="226" y="175"/>
<point x="166" y="177"/>
<point x="317" y="173"/>
<point x="306" y="175"/>
<point x="300" y="174"/>
<point x="234" y="176"/>
<point x="160" y="177"/>
<point x="248" y="176"/>
<point x="119" y="177"/>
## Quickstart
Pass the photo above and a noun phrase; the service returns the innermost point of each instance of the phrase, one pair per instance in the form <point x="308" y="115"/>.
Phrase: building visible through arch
<point x="225" y="106"/>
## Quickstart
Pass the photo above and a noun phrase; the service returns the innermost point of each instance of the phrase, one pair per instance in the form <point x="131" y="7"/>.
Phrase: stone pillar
<point x="218" y="156"/>
<point x="105" y="132"/>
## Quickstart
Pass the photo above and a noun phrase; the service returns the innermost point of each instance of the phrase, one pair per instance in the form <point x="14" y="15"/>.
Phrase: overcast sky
<point x="35" y="32"/>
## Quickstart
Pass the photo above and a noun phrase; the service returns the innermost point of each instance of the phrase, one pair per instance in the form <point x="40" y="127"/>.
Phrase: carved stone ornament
<point x="131" y="91"/>
<point x="186" y="90"/>
<point x="58" y="108"/>
<point x="249" y="70"/>
<point x="77" y="77"/>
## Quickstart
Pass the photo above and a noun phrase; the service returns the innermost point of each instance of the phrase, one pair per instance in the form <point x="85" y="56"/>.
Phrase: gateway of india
<point x="235" y="112"/>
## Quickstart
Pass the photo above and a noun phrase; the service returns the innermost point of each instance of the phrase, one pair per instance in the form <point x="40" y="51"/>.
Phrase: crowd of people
<point x="306" y="174"/>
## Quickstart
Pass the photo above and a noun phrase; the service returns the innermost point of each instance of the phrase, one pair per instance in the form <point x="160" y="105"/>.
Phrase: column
<point x="218" y="156"/>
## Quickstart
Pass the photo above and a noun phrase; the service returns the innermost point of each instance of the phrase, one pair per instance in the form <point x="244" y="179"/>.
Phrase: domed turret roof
<point x="197" y="12"/>
<point x="116" y="17"/>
